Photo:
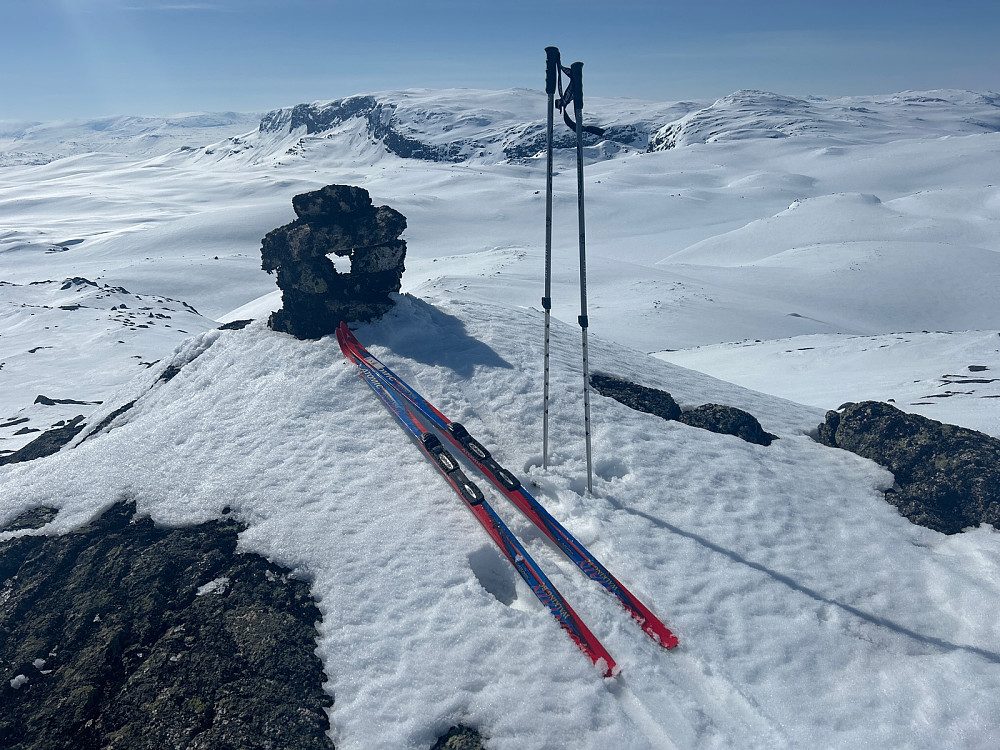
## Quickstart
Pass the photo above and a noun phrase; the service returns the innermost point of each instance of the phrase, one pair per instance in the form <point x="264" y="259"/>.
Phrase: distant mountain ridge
<point x="466" y="125"/>
<point x="27" y="143"/>
<point x="761" y="114"/>
<point x="491" y="127"/>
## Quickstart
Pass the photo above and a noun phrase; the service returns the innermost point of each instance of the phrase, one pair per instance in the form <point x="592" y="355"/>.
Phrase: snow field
<point x="810" y="613"/>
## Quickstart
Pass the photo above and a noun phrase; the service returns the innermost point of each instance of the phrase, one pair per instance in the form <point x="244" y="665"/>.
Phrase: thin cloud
<point x="184" y="7"/>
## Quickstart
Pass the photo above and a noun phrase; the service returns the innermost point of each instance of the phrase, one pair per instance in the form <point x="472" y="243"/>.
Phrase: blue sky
<point x="89" y="58"/>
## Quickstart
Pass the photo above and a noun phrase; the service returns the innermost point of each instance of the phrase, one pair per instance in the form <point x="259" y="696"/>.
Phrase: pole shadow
<point x="932" y="641"/>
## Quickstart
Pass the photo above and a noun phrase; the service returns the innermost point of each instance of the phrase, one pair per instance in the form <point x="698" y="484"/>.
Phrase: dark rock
<point x="313" y="237"/>
<point x="332" y="200"/>
<point x="46" y="401"/>
<point x="460" y="738"/>
<point x="35" y="518"/>
<point x="235" y="325"/>
<point x="76" y="281"/>
<point x="125" y="635"/>
<point x="106" y="422"/>
<point x="826" y="433"/>
<point x="947" y="477"/>
<point x="638" y="397"/>
<point x="317" y="118"/>
<point x="169" y="373"/>
<point x="727" y="420"/>
<point x="49" y="442"/>
<point x="316" y="297"/>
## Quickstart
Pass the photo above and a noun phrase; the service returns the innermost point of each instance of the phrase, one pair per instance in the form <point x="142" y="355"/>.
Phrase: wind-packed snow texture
<point x="775" y="242"/>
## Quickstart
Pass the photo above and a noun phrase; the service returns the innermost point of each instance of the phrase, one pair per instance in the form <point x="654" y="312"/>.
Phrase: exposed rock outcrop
<point x="947" y="477"/>
<point x="126" y="635"/>
<point x="635" y="396"/>
<point x="726" y="420"/>
<point x="338" y="220"/>
<point x="49" y="442"/>
<point x="460" y="738"/>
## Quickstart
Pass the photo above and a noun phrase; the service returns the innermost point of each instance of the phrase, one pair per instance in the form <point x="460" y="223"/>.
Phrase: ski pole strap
<point x="584" y="322"/>
<point x="572" y="93"/>
<point x="546" y="303"/>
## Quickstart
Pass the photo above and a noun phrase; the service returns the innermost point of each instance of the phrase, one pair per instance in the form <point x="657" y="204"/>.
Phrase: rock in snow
<point x="130" y="656"/>
<point x="725" y="420"/>
<point x="947" y="477"/>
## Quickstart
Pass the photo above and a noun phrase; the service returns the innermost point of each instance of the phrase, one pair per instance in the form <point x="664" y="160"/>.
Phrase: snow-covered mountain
<point x="31" y="143"/>
<point x="819" y="250"/>
<point x="464" y="126"/>
<point x="875" y="119"/>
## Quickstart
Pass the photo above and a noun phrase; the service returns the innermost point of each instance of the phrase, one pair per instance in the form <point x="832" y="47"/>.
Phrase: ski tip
<point x="607" y="668"/>
<point x="663" y="637"/>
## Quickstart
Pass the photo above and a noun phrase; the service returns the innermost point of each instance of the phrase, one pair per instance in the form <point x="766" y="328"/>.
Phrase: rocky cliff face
<point x="442" y="134"/>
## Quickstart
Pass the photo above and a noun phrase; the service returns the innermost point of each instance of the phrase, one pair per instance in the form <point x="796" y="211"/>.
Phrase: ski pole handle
<point x="551" y="69"/>
<point x="576" y="83"/>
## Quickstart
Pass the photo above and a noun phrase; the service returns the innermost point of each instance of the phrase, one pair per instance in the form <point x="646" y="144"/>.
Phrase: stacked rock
<point x="316" y="297"/>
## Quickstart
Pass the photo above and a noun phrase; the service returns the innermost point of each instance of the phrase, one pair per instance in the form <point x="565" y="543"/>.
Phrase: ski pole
<point x="576" y="82"/>
<point x="551" y="72"/>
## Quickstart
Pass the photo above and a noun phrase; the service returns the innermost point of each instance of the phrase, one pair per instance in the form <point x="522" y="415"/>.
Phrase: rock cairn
<point x="338" y="220"/>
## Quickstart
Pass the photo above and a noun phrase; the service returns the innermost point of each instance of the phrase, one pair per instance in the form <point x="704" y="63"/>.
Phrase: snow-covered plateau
<point x="775" y="254"/>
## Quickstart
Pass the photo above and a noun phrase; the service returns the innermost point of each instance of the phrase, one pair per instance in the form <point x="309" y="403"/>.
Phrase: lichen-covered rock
<point x="639" y="397"/>
<point x="335" y="220"/>
<point x="460" y="738"/>
<point x="33" y="518"/>
<point x="332" y="200"/>
<point x="125" y="635"/>
<point x="727" y="420"/>
<point x="947" y="477"/>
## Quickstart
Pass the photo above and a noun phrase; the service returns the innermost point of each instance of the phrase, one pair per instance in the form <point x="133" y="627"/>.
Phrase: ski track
<point x="732" y="713"/>
<point x="655" y="728"/>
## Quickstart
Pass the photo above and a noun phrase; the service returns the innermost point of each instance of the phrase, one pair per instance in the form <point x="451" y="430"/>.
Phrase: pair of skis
<point x="410" y="408"/>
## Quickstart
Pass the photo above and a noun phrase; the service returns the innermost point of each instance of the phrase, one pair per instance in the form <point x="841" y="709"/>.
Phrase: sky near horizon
<point x="67" y="59"/>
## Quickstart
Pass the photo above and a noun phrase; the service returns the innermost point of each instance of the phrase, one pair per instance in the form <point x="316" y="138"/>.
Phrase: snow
<point x="936" y="374"/>
<point x="801" y="271"/>
<point x="216" y="586"/>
